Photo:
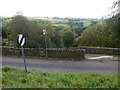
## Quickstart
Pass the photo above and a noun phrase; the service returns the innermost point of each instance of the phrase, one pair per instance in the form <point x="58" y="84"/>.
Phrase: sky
<point x="56" y="8"/>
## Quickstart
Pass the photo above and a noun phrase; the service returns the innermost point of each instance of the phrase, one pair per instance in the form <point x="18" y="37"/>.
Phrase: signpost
<point x="21" y="42"/>
<point x="45" y="33"/>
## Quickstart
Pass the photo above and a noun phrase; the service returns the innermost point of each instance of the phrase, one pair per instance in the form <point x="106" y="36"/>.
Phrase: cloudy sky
<point x="58" y="8"/>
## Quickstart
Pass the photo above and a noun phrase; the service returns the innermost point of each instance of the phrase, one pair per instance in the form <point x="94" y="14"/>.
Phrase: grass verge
<point x="16" y="78"/>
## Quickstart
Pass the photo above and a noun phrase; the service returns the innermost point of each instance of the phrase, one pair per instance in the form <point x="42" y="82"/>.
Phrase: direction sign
<point x="20" y="39"/>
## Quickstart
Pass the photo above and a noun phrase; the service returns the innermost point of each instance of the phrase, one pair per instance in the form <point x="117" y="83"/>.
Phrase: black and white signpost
<point x="21" y="42"/>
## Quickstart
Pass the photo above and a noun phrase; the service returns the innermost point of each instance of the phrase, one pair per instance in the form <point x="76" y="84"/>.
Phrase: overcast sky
<point x="58" y="8"/>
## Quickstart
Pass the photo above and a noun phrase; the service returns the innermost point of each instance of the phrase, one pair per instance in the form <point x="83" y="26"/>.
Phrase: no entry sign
<point x="21" y="39"/>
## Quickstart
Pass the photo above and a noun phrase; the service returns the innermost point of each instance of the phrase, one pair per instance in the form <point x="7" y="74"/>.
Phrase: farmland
<point x="54" y="21"/>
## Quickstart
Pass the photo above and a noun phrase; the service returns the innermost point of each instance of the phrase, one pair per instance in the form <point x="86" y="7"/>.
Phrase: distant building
<point x="19" y="13"/>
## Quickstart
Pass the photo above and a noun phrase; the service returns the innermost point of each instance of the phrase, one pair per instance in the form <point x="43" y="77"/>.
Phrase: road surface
<point x="96" y="66"/>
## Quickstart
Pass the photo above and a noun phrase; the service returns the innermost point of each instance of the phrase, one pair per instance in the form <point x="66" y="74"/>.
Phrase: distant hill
<point x="56" y="21"/>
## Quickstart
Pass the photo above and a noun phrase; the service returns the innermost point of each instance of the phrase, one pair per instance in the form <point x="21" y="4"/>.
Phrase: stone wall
<point x="54" y="53"/>
<point x="27" y="51"/>
<point x="100" y="50"/>
<point x="67" y="53"/>
<point x="72" y="53"/>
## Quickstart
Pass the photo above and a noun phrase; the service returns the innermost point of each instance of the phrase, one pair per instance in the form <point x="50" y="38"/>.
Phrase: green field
<point x="87" y="23"/>
<point x="64" y="25"/>
<point x="53" y="21"/>
<point x="16" y="78"/>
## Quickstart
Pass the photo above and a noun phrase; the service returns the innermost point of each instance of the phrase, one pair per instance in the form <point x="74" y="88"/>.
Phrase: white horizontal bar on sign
<point x="101" y="57"/>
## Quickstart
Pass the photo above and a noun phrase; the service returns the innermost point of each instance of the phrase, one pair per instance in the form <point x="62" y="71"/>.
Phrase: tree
<point x="56" y="39"/>
<point x="106" y="34"/>
<point x="76" y="26"/>
<point x="115" y="9"/>
<point x="97" y="35"/>
<point x="114" y="27"/>
<point x="53" y="36"/>
<point x="4" y="31"/>
<point x="114" y="23"/>
<point x="33" y="32"/>
<point x="20" y="25"/>
<point x="68" y="39"/>
<point x="93" y="23"/>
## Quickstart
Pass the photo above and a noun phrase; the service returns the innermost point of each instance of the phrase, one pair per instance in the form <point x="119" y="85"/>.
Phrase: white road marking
<point x="101" y="57"/>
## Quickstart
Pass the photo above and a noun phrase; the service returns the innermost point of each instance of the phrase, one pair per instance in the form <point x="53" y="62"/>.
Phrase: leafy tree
<point x="33" y="32"/>
<point x="56" y="39"/>
<point x="20" y="25"/>
<point x="114" y="24"/>
<point x="114" y="27"/>
<point x="4" y="31"/>
<point x="106" y="34"/>
<point x="68" y="39"/>
<point x="76" y="26"/>
<point x="93" y="23"/>
<point x="115" y="9"/>
<point x="97" y="35"/>
<point x="58" y="28"/>
<point x="53" y="36"/>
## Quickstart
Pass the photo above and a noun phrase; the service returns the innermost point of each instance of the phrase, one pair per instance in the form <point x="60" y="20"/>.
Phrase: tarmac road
<point x="96" y="66"/>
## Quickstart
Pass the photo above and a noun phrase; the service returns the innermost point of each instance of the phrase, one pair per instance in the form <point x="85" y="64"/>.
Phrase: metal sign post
<point x="21" y="42"/>
<point x="23" y="55"/>
<point x="45" y="33"/>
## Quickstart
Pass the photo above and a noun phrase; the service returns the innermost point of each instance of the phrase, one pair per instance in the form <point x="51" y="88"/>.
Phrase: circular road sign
<point x="20" y="39"/>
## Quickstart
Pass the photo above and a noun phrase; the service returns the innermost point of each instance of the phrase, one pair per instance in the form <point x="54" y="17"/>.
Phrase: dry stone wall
<point x="101" y="50"/>
<point x="54" y="53"/>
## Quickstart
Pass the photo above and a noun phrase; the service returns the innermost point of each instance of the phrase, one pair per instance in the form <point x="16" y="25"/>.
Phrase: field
<point x="16" y="78"/>
<point x="49" y="19"/>
<point x="86" y="22"/>
<point x="63" y="25"/>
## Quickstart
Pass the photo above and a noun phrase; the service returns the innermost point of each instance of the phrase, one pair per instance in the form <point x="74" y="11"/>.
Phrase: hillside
<point x="58" y="21"/>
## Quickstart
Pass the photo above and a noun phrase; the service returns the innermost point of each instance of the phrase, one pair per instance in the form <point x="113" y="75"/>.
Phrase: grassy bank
<point x="16" y="78"/>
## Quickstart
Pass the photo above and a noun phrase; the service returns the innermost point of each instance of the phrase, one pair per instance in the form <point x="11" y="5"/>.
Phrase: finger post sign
<point x="21" y="42"/>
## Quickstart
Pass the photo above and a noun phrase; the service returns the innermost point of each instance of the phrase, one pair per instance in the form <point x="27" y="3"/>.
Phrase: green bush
<point x="6" y="69"/>
<point x="68" y="39"/>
